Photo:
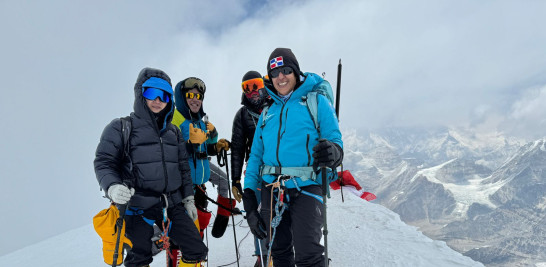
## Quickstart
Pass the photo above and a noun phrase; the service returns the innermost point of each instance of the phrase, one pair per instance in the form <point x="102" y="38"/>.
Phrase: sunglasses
<point x="285" y="70"/>
<point x="252" y="85"/>
<point x="194" y="95"/>
<point x="151" y="93"/>
<point x="194" y="83"/>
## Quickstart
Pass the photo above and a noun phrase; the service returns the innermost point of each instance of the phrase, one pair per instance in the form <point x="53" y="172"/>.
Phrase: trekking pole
<point x="338" y="87"/>
<point x="261" y="254"/>
<point x="119" y="226"/>
<point x="325" y="231"/>
<point x="231" y="199"/>
<point x="338" y="93"/>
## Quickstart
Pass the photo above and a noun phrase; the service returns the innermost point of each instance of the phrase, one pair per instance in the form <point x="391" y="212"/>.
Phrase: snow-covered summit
<point x="482" y="193"/>
<point x="360" y="234"/>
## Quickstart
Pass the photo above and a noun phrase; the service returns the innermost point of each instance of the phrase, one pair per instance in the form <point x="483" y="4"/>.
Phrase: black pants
<point x="183" y="232"/>
<point x="300" y="229"/>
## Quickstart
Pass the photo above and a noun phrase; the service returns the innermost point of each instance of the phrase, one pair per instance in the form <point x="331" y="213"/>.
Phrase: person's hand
<point x="189" y="204"/>
<point x="237" y="190"/>
<point x="256" y="224"/>
<point x="326" y="154"/>
<point x="210" y="127"/>
<point x="120" y="193"/>
<point x="197" y="136"/>
<point x="211" y="130"/>
<point x="222" y="144"/>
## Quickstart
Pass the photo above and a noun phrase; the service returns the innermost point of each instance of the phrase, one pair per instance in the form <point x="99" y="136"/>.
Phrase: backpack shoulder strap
<point x="126" y="127"/>
<point x="312" y="106"/>
<point x="322" y="88"/>
<point x="264" y="116"/>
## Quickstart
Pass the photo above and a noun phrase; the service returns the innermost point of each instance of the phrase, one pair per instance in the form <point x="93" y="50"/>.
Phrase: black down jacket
<point x="242" y="134"/>
<point x="159" y="157"/>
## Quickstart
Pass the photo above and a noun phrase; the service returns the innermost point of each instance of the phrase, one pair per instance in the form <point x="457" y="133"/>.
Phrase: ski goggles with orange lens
<point x="194" y="83"/>
<point x="285" y="70"/>
<point x="194" y="95"/>
<point x="252" y="85"/>
<point x="151" y="93"/>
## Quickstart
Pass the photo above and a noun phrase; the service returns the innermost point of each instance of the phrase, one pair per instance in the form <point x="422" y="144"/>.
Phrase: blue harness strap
<point x="315" y="196"/>
<point x="133" y="211"/>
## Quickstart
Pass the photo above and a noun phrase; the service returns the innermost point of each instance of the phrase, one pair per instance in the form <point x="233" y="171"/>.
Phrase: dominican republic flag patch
<point x="276" y="62"/>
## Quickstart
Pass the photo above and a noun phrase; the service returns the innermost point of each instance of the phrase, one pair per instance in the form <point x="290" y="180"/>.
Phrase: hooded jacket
<point x="286" y="137"/>
<point x="198" y="154"/>
<point x="242" y="135"/>
<point x="158" y="155"/>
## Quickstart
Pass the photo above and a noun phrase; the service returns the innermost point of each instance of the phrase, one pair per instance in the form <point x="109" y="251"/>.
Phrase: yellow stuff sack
<point x="105" y="225"/>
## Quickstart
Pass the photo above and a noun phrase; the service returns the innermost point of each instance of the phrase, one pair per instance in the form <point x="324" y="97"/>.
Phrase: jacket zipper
<point x="164" y="165"/>
<point x="279" y="135"/>
<point x="308" y="153"/>
<point x="162" y="154"/>
<point x="203" y="160"/>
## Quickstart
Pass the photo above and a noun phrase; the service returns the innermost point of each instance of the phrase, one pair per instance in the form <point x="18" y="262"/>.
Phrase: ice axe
<point x="119" y="226"/>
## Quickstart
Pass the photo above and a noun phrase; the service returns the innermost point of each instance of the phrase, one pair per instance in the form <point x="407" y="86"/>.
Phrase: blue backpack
<point x="311" y="99"/>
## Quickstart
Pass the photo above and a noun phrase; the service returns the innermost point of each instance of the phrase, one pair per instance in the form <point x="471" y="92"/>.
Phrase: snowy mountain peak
<point x="476" y="191"/>
<point x="360" y="234"/>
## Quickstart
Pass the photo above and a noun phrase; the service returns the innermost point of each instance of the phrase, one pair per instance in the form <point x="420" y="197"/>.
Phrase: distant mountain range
<point x="483" y="194"/>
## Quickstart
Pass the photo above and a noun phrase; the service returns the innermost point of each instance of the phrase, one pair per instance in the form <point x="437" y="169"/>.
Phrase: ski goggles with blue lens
<point x="285" y="70"/>
<point x="153" y="93"/>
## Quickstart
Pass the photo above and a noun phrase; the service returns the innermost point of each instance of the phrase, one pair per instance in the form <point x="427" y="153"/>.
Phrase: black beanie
<point x="251" y="75"/>
<point x="283" y="57"/>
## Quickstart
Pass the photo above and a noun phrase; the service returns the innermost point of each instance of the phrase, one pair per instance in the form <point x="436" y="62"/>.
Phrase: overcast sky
<point x="68" y="68"/>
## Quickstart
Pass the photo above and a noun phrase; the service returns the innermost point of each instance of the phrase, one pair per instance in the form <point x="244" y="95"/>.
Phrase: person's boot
<point x="259" y="261"/>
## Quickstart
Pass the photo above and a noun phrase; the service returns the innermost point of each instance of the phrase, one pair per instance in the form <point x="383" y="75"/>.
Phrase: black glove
<point x="327" y="154"/>
<point x="255" y="222"/>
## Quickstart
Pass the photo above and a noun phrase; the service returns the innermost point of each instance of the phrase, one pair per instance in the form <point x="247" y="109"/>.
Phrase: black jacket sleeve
<point x="185" y="172"/>
<point x="109" y="156"/>
<point x="211" y="149"/>
<point x="238" y="143"/>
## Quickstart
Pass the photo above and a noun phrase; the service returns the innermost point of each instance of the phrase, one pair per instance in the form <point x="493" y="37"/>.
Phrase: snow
<point x="480" y="140"/>
<point x="361" y="233"/>
<point x="542" y="204"/>
<point x="473" y="192"/>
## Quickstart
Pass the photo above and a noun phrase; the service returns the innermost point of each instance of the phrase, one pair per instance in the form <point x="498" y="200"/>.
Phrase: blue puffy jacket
<point x="288" y="136"/>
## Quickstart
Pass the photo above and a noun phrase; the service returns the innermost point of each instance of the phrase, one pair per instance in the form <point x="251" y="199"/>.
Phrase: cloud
<point x="68" y="68"/>
<point x="404" y="64"/>
<point x="527" y="116"/>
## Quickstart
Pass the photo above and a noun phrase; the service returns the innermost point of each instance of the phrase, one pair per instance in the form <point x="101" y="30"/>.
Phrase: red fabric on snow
<point x="347" y="179"/>
<point x="226" y="202"/>
<point x="368" y="196"/>
<point x="350" y="183"/>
